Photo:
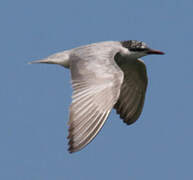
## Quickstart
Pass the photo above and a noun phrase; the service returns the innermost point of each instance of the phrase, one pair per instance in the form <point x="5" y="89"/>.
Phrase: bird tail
<point x="47" y="61"/>
<point x="61" y="58"/>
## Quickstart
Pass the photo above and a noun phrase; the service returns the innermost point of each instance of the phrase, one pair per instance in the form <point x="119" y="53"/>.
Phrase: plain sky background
<point x="34" y="99"/>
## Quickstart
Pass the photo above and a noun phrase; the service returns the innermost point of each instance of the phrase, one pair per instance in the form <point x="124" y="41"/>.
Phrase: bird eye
<point x="137" y="49"/>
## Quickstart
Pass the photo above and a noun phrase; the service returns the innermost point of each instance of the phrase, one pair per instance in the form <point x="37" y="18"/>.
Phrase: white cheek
<point x="137" y="55"/>
<point x="124" y="52"/>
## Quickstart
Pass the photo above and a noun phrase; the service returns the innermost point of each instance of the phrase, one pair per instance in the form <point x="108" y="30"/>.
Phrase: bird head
<point x="139" y="49"/>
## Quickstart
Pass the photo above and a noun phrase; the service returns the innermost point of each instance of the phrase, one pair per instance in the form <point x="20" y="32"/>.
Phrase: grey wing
<point x="96" y="88"/>
<point x="130" y="103"/>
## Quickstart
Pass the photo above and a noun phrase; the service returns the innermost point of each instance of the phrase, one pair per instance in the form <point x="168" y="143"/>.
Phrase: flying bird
<point x="104" y="75"/>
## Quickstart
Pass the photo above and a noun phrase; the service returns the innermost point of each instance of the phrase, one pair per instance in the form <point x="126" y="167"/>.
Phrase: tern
<point x="104" y="75"/>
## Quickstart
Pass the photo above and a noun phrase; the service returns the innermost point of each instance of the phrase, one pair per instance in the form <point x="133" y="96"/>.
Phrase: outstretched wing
<point x="131" y="100"/>
<point x="96" y="82"/>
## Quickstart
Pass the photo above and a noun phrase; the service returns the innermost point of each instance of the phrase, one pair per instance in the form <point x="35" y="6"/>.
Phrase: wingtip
<point x="70" y="144"/>
<point x="70" y="150"/>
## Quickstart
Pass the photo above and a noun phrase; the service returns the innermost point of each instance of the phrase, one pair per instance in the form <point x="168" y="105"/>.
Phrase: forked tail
<point x="47" y="61"/>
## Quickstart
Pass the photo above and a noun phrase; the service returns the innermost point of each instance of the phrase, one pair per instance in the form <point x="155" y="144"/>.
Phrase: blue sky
<point x="35" y="98"/>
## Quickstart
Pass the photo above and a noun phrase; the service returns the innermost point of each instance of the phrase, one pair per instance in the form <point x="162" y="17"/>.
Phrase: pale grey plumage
<point x="104" y="75"/>
<point x="96" y="81"/>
